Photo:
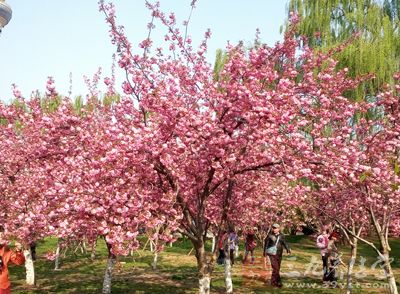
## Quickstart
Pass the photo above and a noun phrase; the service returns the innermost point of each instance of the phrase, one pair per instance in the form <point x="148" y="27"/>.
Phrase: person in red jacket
<point x="249" y="245"/>
<point x="8" y="256"/>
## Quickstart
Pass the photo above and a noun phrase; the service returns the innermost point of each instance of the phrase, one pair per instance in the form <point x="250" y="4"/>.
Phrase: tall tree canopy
<point x="376" y="49"/>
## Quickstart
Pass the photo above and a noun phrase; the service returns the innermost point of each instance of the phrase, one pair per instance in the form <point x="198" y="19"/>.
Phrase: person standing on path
<point x="273" y="248"/>
<point x="249" y="246"/>
<point x="333" y="258"/>
<point x="222" y="246"/>
<point x="232" y="243"/>
<point x="322" y="244"/>
<point x="8" y="256"/>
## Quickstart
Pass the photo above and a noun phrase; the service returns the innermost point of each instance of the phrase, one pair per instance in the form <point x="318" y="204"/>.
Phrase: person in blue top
<point x="232" y="243"/>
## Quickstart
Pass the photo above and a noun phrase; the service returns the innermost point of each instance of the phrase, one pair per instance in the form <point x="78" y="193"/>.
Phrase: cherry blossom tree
<point x="183" y="151"/>
<point x="32" y="144"/>
<point x="202" y="135"/>
<point x="353" y="148"/>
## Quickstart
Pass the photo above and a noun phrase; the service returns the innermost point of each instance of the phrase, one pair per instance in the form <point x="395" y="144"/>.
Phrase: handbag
<point x="273" y="249"/>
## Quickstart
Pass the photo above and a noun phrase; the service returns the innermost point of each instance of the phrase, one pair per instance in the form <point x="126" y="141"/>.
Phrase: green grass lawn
<point x="177" y="271"/>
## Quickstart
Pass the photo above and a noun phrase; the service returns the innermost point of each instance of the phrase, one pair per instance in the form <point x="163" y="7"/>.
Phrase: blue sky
<point x="54" y="37"/>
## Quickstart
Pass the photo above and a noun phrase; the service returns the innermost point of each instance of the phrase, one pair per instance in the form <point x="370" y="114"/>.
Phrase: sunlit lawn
<point x="177" y="272"/>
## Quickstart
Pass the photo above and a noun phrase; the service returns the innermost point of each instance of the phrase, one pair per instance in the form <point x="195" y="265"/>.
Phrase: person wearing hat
<point x="273" y="248"/>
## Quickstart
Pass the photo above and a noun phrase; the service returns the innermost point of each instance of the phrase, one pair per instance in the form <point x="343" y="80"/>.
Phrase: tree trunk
<point x="213" y="243"/>
<point x="352" y="261"/>
<point x="57" y="260"/>
<point x="389" y="275"/>
<point x="386" y="264"/>
<point x="80" y="246"/>
<point x="204" y="267"/>
<point x="30" y="268"/>
<point x="109" y="269"/>
<point x="93" y="253"/>
<point x="382" y="232"/>
<point x="155" y="257"/>
<point x="236" y="251"/>
<point x="228" y="274"/>
<point x="155" y="252"/>
<point x="83" y="248"/>
<point x="151" y="246"/>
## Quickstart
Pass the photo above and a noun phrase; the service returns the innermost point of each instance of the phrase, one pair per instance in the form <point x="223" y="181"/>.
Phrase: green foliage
<point x="396" y="168"/>
<point x="20" y="105"/>
<point x="365" y="175"/>
<point x="392" y="8"/>
<point x="50" y="104"/>
<point x="109" y="100"/>
<point x="329" y="23"/>
<point x="78" y="104"/>
<point x="3" y="121"/>
<point x="307" y="182"/>
<point x="327" y="131"/>
<point x="18" y="126"/>
<point x="220" y="60"/>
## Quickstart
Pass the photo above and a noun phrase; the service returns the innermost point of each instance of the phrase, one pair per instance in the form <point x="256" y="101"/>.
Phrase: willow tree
<point x="376" y="47"/>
